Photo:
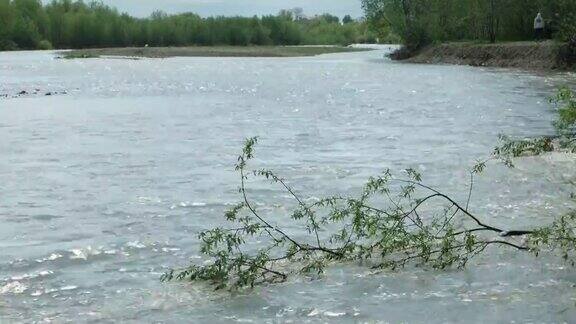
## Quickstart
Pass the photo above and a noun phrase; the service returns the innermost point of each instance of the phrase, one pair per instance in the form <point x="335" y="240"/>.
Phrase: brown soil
<point x="546" y="55"/>
<point x="209" y="51"/>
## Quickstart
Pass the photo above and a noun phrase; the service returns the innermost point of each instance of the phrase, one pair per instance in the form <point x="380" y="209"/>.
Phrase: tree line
<point x="421" y="22"/>
<point x="29" y="24"/>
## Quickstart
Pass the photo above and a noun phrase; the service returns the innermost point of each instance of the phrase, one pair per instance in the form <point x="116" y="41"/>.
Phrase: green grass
<point x="209" y="51"/>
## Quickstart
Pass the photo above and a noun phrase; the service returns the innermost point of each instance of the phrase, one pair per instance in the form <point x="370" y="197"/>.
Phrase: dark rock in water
<point x="37" y="92"/>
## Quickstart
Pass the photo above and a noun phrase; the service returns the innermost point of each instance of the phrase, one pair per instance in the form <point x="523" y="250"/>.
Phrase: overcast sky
<point x="143" y="8"/>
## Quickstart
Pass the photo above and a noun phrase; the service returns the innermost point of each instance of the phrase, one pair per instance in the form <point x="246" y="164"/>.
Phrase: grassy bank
<point x="546" y="55"/>
<point x="210" y="51"/>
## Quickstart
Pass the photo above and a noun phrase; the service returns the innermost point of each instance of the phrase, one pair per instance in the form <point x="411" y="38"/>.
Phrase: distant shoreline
<point x="539" y="56"/>
<point x="209" y="51"/>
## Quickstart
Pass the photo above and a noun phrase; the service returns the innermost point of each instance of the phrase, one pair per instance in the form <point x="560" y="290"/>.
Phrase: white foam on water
<point x="14" y="287"/>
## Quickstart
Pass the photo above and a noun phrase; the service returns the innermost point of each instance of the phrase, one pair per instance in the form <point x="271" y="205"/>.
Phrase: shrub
<point x="8" y="45"/>
<point x="44" y="45"/>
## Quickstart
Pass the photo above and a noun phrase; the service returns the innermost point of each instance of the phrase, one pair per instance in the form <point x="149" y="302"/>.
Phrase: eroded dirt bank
<point x="546" y="55"/>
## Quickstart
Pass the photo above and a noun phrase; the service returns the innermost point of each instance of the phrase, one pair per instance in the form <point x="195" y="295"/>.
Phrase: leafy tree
<point x="25" y="33"/>
<point x="7" y="21"/>
<point x="347" y="19"/>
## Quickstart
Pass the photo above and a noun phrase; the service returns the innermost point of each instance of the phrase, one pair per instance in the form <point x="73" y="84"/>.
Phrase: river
<point x="106" y="181"/>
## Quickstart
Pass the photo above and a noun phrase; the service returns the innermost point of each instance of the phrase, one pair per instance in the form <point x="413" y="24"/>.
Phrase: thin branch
<point x="303" y="205"/>
<point x="439" y="194"/>
<point x="470" y="191"/>
<point x="253" y="211"/>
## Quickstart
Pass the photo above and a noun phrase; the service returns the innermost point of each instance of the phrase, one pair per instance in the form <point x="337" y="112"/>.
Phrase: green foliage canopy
<point x="421" y="22"/>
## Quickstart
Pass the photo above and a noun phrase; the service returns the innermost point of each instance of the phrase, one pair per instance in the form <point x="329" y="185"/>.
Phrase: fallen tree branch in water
<point x="394" y="222"/>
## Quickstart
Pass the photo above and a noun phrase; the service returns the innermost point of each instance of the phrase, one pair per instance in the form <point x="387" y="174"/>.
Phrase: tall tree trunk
<point x="492" y="22"/>
<point x="571" y="55"/>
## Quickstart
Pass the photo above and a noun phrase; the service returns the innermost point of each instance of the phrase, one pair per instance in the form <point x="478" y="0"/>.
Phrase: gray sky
<point x="143" y="8"/>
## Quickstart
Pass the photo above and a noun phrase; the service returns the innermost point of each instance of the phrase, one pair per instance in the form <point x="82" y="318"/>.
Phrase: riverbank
<point x="209" y="51"/>
<point x="546" y="55"/>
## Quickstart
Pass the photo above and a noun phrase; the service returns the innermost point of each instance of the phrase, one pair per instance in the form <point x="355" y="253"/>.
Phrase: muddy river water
<point x="106" y="181"/>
